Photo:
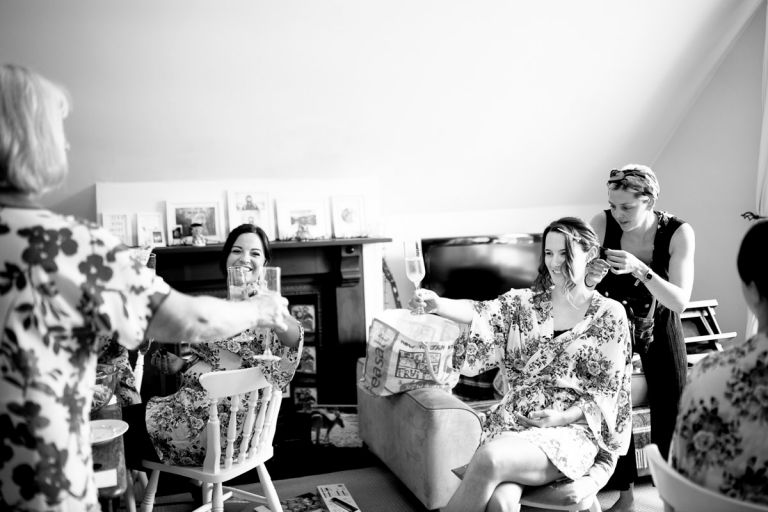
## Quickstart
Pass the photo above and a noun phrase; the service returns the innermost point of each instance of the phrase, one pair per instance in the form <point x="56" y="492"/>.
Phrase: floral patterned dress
<point x="63" y="282"/>
<point x="176" y="423"/>
<point x="721" y="436"/>
<point x="588" y="366"/>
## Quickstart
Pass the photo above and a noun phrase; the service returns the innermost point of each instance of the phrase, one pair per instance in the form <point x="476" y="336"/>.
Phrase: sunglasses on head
<point x="620" y="174"/>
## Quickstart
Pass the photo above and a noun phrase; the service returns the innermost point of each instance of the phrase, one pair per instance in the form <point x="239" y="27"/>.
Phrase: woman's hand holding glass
<point x="414" y="266"/>
<point x="423" y="301"/>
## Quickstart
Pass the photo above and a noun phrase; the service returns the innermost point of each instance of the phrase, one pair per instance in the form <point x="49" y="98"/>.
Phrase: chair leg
<point x="129" y="497"/>
<point x="595" y="507"/>
<point x="207" y="492"/>
<point x="269" y="489"/>
<point x="148" y="502"/>
<point x="218" y="501"/>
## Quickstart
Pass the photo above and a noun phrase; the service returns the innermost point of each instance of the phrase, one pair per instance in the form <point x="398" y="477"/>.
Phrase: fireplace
<point x="325" y="284"/>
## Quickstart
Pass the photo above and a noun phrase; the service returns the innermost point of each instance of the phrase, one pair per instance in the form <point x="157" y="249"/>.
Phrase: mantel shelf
<point x="276" y="245"/>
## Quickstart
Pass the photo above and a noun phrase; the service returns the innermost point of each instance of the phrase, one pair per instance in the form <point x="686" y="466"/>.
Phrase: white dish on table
<point x="107" y="430"/>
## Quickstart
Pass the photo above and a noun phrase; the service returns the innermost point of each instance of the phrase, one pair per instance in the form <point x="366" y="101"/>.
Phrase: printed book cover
<point x="307" y="502"/>
<point x="336" y="498"/>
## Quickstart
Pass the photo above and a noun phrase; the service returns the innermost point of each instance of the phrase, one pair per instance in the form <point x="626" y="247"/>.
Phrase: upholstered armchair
<point x="422" y="435"/>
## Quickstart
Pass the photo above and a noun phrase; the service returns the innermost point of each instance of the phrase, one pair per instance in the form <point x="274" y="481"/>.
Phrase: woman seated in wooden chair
<point x="720" y="441"/>
<point x="564" y="350"/>
<point x="173" y="427"/>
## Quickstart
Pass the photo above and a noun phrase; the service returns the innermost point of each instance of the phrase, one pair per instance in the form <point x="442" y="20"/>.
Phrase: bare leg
<point x="626" y="501"/>
<point x="506" y="498"/>
<point x="505" y="459"/>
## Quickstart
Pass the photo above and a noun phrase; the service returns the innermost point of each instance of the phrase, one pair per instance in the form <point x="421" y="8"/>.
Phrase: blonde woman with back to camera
<point x="64" y="283"/>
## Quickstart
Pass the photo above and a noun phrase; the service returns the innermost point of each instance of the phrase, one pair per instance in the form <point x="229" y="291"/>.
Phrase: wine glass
<point x="237" y="282"/>
<point x="268" y="282"/>
<point x="414" y="266"/>
<point x="238" y="278"/>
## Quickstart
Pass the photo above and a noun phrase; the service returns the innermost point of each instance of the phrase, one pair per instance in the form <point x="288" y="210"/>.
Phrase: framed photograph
<point x="120" y="225"/>
<point x="348" y="214"/>
<point x="308" y="361"/>
<point x="302" y="220"/>
<point x="305" y="397"/>
<point x="287" y="391"/>
<point x="149" y="229"/>
<point x="305" y="314"/>
<point x="183" y="215"/>
<point x="249" y="207"/>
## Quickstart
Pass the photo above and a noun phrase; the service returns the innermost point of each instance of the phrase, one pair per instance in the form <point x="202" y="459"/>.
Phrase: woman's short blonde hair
<point x="33" y="149"/>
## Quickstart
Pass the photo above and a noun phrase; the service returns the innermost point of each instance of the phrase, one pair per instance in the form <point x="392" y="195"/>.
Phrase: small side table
<point x="110" y="457"/>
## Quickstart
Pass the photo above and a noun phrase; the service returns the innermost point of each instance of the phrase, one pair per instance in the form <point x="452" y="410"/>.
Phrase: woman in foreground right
<point x="721" y="441"/>
<point x="564" y="351"/>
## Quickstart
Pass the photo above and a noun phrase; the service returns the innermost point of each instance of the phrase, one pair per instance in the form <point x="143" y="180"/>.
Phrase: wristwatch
<point x="647" y="276"/>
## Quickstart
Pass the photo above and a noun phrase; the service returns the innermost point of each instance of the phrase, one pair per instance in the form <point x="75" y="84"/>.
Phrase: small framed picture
<point x="348" y="214"/>
<point x="305" y="314"/>
<point x="249" y="207"/>
<point x="308" y="361"/>
<point x="287" y="391"/>
<point x="120" y="225"/>
<point x="183" y="215"/>
<point x="305" y="398"/>
<point x="149" y="229"/>
<point x="302" y="220"/>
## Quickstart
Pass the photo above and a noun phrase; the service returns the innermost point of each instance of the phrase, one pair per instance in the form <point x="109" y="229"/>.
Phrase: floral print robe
<point x="176" y="423"/>
<point x="63" y="283"/>
<point x="588" y="366"/>
<point x="721" y="436"/>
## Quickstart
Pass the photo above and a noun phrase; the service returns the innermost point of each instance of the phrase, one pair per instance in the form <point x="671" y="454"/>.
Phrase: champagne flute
<point x="414" y="266"/>
<point x="268" y="282"/>
<point x="237" y="289"/>
<point x="237" y="282"/>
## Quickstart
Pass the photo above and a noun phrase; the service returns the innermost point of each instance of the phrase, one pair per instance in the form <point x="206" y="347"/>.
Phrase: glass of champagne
<point x="414" y="266"/>
<point x="237" y="283"/>
<point x="237" y="289"/>
<point x="268" y="282"/>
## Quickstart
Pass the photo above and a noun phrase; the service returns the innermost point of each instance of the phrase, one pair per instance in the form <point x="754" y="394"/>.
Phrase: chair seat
<point x="199" y="473"/>
<point x="563" y="494"/>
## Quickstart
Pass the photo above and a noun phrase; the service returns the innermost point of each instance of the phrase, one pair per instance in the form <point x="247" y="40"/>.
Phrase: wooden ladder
<point x="701" y="330"/>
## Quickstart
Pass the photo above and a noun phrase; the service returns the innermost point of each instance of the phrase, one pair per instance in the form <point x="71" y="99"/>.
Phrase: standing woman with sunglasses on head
<point x="650" y="257"/>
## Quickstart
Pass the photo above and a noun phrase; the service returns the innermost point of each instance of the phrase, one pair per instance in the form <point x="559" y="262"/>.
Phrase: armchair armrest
<point x="420" y="435"/>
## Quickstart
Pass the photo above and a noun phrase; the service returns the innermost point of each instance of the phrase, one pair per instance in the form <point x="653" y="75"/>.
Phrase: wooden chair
<point x="681" y="495"/>
<point x="561" y="495"/>
<point x="254" y="448"/>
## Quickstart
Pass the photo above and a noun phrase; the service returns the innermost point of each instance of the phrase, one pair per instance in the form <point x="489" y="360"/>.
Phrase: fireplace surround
<point x="325" y="277"/>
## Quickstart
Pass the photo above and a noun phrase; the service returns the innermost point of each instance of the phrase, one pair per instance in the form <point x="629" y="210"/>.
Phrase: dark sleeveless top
<point x="626" y="288"/>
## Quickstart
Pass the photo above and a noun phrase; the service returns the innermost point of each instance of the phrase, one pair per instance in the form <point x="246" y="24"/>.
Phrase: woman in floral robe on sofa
<point x="564" y="353"/>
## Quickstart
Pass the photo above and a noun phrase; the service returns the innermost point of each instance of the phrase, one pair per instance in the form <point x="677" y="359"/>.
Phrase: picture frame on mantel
<point x="251" y="207"/>
<point x="302" y="220"/>
<point x="183" y="215"/>
<point x="149" y="229"/>
<point x="119" y="224"/>
<point x="348" y="215"/>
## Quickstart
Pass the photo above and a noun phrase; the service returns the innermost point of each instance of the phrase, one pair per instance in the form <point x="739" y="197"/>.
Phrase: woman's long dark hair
<point x="239" y="230"/>
<point x="576" y="231"/>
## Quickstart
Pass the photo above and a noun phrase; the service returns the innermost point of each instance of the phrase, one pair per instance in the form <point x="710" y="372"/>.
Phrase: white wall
<point x="455" y="105"/>
<point x="708" y="172"/>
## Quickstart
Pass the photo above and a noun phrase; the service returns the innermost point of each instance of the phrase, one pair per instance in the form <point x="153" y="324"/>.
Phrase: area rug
<point x="375" y="489"/>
